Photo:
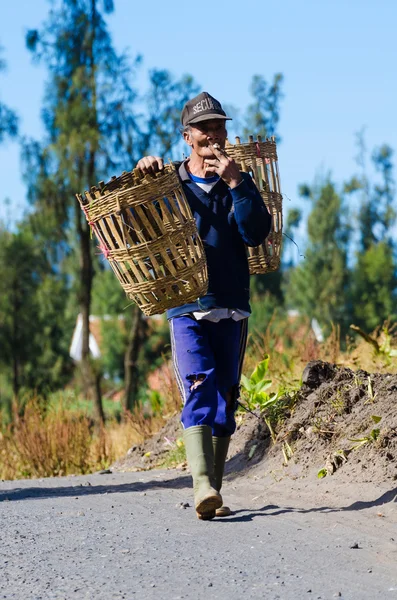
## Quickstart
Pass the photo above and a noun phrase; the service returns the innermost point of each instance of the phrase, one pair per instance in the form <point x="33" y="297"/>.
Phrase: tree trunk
<point x="135" y="340"/>
<point x="91" y="375"/>
<point x="15" y="347"/>
<point x="15" y="379"/>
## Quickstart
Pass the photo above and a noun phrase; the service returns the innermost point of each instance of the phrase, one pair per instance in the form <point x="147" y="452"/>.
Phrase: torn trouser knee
<point x="195" y="380"/>
<point x="200" y="399"/>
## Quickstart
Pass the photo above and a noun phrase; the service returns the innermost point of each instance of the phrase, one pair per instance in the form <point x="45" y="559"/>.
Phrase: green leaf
<point x="262" y="385"/>
<point x="268" y="401"/>
<point x="376" y="419"/>
<point x="322" y="473"/>
<point x="375" y="434"/>
<point x="245" y="382"/>
<point x="260" y="370"/>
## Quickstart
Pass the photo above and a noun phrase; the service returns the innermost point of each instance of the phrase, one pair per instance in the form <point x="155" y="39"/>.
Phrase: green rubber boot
<point x="200" y="458"/>
<point x="221" y="446"/>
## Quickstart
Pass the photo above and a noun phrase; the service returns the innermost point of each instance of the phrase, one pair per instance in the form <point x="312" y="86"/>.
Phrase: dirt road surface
<point x="135" y="535"/>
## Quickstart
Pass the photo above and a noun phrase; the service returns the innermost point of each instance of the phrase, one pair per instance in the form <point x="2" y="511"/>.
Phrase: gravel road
<point x="131" y="535"/>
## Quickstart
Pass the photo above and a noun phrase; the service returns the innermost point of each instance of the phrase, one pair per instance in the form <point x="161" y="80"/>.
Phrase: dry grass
<point x="54" y="439"/>
<point x="362" y="355"/>
<point x="55" y="442"/>
<point x="44" y="443"/>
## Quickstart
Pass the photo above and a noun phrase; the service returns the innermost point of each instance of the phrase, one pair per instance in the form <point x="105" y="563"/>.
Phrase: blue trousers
<point x="207" y="360"/>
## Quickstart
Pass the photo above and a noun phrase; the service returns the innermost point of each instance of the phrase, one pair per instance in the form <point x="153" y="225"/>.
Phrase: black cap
<point x="202" y="108"/>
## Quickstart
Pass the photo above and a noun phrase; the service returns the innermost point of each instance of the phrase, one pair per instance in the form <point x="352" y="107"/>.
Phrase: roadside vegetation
<point x="58" y="435"/>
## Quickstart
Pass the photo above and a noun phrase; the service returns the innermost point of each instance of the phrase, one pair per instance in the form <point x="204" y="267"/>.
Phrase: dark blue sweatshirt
<point x="226" y="220"/>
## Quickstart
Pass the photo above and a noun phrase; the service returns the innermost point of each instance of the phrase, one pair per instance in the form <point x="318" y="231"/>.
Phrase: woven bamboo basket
<point x="145" y="229"/>
<point x="260" y="160"/>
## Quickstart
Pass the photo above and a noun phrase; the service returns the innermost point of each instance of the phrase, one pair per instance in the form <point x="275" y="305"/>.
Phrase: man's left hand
<point x="224" y="166"/>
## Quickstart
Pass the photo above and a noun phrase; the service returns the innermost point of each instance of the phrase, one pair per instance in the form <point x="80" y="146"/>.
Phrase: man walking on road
<point x="209" y="336"/>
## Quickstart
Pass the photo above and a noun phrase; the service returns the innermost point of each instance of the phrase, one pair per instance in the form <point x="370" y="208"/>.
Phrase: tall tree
<point x="374" y="286"/>
<point x="33" y="354"/>
<point x="374" y="276"/>
<point x="92" y="132"/>
<point x="318" y="286"/>
<point x="90" y="125"/>
<point x="18" y="277"/>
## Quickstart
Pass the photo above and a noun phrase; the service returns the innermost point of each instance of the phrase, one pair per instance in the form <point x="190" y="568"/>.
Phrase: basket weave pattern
<point x="260" y="160"/>
<point x="147" y="232"/>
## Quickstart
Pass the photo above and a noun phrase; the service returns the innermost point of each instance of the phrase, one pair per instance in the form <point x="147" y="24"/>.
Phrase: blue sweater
<point x="226" y="220"/>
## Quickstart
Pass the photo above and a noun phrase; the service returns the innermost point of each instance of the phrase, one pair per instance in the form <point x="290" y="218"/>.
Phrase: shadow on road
<point x="270" y="510"/>
<point x="85" y="489"/>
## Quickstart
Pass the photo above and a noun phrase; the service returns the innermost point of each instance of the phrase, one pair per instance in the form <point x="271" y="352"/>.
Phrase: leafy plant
<point x="255" y="391"/>
<point x="255" y="387"/>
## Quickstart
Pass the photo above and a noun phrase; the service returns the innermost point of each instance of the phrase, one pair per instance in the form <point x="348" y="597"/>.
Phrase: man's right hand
<point x="150" y="164"/>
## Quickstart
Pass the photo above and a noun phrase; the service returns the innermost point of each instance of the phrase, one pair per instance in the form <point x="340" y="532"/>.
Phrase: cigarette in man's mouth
<point x="221" y="150"/>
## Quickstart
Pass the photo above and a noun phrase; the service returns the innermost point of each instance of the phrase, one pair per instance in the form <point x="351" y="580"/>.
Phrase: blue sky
<point x="338" y="59"/>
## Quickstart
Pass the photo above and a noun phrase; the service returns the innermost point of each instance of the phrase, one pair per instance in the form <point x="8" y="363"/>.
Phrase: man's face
<point x="204" y="134"/>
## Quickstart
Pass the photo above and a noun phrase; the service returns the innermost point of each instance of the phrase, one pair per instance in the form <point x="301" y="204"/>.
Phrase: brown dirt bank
<point x="334" y="407"/>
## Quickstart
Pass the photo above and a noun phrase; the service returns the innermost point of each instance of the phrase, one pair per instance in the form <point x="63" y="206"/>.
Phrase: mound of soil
<point x="341" y="422"/>
<point x="344" y="422"/>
